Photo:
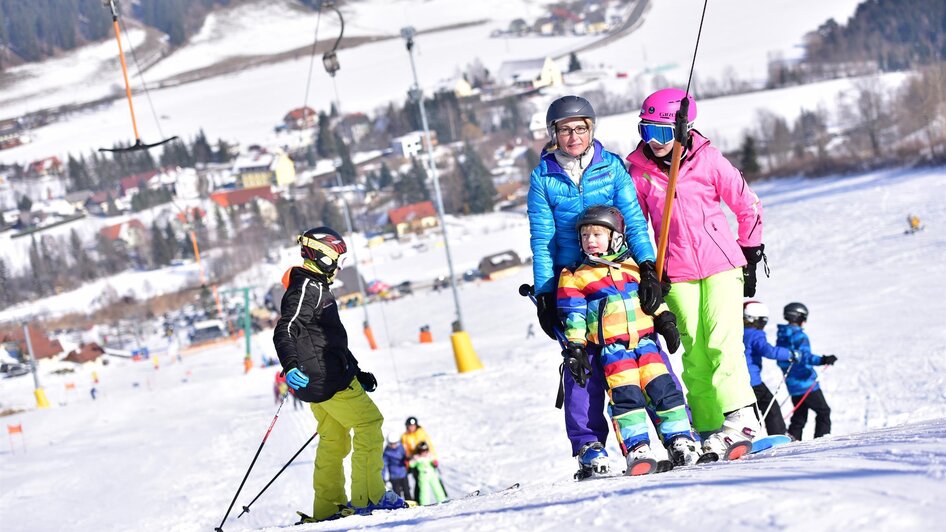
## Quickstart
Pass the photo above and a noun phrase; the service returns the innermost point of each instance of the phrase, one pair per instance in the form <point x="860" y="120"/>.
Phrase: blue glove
<point x="296" y="379"/>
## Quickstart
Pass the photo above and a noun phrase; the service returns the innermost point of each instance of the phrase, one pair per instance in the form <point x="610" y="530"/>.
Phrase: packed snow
<point x="165" y="449"/>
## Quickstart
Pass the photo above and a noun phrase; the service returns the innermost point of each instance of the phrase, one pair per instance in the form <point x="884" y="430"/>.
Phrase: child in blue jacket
<point x="755" y="315"/>
<point x="395" y="468"/>
<point x="800" y="377"/>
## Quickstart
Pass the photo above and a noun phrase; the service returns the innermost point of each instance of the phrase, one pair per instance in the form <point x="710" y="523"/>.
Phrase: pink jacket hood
<point x="700" y="241"/>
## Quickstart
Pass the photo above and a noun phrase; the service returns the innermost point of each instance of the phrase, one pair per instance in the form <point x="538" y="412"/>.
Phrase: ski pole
<point x="235" y="495"/>
<point x="777" y="388"/>
<point x="808" y="391"/>
<point x="529" y="291"/>
<point x="304" y="445"/>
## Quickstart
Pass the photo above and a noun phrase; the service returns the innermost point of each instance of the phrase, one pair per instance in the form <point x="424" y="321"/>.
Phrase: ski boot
<point x="641" y="460"/>
<point x="388" y="501"/>
<point x="684" y="452"/>
<point x="734" y="439"/>
<point x="592" y="461"/>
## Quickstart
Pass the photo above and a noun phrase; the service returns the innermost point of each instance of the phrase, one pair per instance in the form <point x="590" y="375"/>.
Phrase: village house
<point x="89" y="352"/>
<point x="413" y="218"/>
<point x="411" y="144"/>
<point x="300" y="118"/>
<point x="259" y="167"/>
<point x="531" y="73"/>
<point x="242" y="198"/>
<point x="44" y="179"/>
<point x="130" y="232"/>
<point x="43" y="346"/>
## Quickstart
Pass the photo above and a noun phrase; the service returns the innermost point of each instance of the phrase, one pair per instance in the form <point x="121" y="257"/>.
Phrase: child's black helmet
<point x="410" y="421"/>
<point x="422" y="447"/>
<point x="795" y="313"/>
<point x="605" y="216"/>
<point x="324" y="246"/>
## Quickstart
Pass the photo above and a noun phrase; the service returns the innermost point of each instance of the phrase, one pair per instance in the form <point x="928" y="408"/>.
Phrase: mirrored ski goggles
<point x="659" y="133"/>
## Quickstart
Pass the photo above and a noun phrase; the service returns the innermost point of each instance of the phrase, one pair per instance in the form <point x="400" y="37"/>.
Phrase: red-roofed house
<point x="48" y="166"/>
<point x="131" y="232"/>
<point x="242" y="196"/>
<point x="413" y="218"/>
<point x="130" y="185"/>
<point x="300" y="118"/>
<point x="85" y="353"/>
<point x="43" y="347"/>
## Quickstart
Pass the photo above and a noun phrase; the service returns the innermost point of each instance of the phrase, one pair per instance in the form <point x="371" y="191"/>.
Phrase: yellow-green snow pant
<point x="709" y="316"/>
<point x="349" y="409"/>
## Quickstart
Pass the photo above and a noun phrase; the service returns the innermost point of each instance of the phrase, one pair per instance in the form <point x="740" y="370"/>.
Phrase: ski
<point x="768" y="442"/>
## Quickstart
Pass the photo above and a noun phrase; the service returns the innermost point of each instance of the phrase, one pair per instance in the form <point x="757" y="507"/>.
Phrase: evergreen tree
<point x="573" y="64"/>
<point x="347" y="168"/>
<point x="202" y="152"/>
<point x="78" y="174"/>
<point x="82" y="263"/>
<point x="160" y="254"/>
<point x="332" y="216"/>
<point x="480" y="193"/>
<point x="325" y="144"/>
<point x="110" y="208"/>
<point x="223" y="236"/>
<point x="170" y="241"/>
<point x="38" y="269"/>
<point x="111" y="259"/>
<point x="412" y="187"/>
<point x="222" y="153"/>
<point x="6" y="295"/>
<point x="25" y="204"/>
<point x="748" y="157"/>
<point x="385" y="179"/>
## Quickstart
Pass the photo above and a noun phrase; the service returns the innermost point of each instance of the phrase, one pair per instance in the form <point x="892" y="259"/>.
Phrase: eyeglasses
<point x="659" y="133"/>
<point x="569" y="131"/>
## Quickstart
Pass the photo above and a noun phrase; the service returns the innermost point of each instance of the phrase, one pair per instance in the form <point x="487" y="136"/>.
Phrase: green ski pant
<point x="709" y="316"/>
<point x="348" y="410"/>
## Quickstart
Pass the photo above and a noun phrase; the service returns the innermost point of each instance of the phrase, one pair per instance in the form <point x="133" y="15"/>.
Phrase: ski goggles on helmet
<point x="659" y="133"/>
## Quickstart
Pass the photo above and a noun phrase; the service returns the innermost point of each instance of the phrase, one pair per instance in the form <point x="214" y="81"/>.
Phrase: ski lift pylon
<point x="138" y="145"/>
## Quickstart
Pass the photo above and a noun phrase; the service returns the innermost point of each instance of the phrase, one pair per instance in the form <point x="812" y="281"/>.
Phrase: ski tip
<point x="645" y="466"/>
<point x="738" y="450"/>
<point x="663" y="466"/>
<point x="708" y="458"/>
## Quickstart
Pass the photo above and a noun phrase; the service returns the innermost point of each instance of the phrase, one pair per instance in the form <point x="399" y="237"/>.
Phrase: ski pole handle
<point x="527" y="290"/>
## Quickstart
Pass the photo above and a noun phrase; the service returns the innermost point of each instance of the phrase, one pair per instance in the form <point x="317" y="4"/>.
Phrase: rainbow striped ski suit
<point x="598" y="303"/>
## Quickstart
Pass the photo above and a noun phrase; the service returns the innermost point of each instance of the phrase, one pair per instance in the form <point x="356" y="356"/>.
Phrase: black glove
<point x="367" y="380"/>
<point x="666" y="325"/>
<point x="576" y="360"/>
<point x="548" y="314"/>
<point x="828" y="360"/>
<point x="754" y="255"/>
<point x="649" y="289"/>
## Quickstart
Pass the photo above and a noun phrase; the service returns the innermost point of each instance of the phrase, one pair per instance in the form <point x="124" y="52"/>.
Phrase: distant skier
<point x="755" y="315"/>
<point x="530" y="331"/>
<point x="429" y="487"/>
<point x="395" y="468"/>
<point x="576" y="171"/>
<point x="709" y="269"/>
<point x="599" y="305"/>
<point x="801" y="378"/>
<point x="413" y="435"/>
<point x="312" y="346"/>
<point x="913" y="221"/>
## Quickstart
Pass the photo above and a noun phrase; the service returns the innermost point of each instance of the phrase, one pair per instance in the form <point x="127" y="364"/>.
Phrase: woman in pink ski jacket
<point x="709" y="268"/>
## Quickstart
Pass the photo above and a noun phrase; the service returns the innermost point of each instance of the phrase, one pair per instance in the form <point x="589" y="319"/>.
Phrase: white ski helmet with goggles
<point x="604" y="216"/>
<point x="755" y="312"/>
<point x="323" y="248"/>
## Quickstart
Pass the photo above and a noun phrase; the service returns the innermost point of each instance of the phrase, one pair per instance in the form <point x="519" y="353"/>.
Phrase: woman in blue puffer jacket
<point x="576" y="172"/>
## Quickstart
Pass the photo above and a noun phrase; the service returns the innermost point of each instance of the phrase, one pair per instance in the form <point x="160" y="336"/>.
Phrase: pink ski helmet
<point x="661" y="106"/>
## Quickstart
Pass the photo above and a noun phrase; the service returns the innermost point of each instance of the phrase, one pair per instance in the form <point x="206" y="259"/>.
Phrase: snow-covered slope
<point x="165" y="449"/>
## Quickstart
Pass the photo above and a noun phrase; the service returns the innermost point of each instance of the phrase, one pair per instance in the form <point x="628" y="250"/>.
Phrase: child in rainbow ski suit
<point x="599" y="305"/>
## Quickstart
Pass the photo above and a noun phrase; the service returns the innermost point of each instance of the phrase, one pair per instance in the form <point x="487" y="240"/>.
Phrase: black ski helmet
<point x="568" y="107"/>
<point x="410" y="421"/>
<point x="605" y="216"/>
<point x="422" y="447"/>
<point x="795" y="313"/>
<point x="324" y="246"/>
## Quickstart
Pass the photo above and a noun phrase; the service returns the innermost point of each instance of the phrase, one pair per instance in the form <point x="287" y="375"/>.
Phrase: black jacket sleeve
<point x="301" y="306"/>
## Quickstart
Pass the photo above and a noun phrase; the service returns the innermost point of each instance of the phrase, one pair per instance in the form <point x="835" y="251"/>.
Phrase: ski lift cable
<point x="308" y="82"/>
<point x="138" y="145"/>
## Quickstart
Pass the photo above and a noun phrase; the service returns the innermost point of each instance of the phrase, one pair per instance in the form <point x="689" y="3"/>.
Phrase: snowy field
<point x="244" y="106"/>
<point x="164" y="450"/>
